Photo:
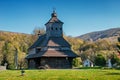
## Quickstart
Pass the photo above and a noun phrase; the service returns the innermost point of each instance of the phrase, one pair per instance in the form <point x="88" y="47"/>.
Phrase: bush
<point x="11" y="66"/>
<point x="76" y="62"/>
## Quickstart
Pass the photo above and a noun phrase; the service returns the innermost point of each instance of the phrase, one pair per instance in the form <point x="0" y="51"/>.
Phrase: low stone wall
<point x="2" y="67"/>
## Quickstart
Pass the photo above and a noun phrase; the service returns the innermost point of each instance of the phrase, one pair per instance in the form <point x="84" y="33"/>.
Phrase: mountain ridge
<point x="100" y="34"/>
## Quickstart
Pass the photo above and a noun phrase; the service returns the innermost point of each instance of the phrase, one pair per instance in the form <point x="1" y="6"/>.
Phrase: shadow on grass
<point x="90" y="68"/>
<point x="114" y="73"/>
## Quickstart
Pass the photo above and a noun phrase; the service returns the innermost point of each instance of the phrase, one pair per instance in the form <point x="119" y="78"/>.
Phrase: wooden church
<point x="51" y="50"/>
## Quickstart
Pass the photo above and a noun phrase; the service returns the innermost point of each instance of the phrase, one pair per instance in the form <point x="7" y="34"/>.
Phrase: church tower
<point x="54" y="26"/>
<point x="51" y="50"/>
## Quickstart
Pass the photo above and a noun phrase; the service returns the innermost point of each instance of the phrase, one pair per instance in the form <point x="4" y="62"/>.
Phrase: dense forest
<point x="12" y="43"/>
<point x="16" y="44"/>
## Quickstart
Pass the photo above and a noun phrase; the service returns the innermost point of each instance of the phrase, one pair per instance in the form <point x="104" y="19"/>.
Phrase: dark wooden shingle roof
<point x="53" y="53"/>
<point x="59" y="41"/>
<point x="38" y="42"/>
<point x="51" y="41"/>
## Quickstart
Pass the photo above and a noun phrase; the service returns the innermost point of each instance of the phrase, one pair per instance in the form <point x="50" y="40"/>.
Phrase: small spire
<point x="54" y="10"/>
<point x="54" y="13"/>
<point x="39" y="33"/>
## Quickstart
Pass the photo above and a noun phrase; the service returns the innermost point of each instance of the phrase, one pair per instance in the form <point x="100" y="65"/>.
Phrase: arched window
<point x="38" y="50"/>
<point x="52" y="28"/>
<point x="60" y="28"/>
<point x="56" y="29"/>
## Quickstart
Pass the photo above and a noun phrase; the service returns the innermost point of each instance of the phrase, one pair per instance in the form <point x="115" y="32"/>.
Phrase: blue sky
<point x="79" y="16"/>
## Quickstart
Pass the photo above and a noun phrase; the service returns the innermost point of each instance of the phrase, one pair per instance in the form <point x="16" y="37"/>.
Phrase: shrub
<point x="76" y="62"/>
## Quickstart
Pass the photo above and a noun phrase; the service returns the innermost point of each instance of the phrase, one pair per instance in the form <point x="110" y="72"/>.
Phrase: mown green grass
<point x="67" y="74"/>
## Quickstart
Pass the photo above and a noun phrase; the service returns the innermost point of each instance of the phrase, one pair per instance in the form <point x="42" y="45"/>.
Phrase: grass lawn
<point x="67" y="74"/>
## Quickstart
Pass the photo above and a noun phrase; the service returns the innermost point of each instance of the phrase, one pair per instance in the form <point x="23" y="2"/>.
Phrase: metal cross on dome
<point x="54" y="9"/>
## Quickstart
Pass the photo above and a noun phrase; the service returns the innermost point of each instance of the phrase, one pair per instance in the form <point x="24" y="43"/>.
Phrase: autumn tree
<point x="88" y="51"/>
<point x="74" y="42"/>
<point x="118" y="44"/>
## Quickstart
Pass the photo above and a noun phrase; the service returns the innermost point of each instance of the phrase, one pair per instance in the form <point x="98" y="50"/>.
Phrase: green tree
<point x="100" y="60"/>
<point x="76" y="62"/>
<point x="115" y="59"/>
<point x="1" y="51"/>
<point x="5" y="51"/>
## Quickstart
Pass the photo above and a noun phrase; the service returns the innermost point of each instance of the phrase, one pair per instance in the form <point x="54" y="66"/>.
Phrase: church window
<point x="38" y="50"/>
<point x="56" y="29"/>
<point x="52" y="28"/>
<point x="60" y="28"/>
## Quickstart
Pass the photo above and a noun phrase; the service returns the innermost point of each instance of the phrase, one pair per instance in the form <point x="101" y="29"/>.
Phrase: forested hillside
<point x="12" y="43"/>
